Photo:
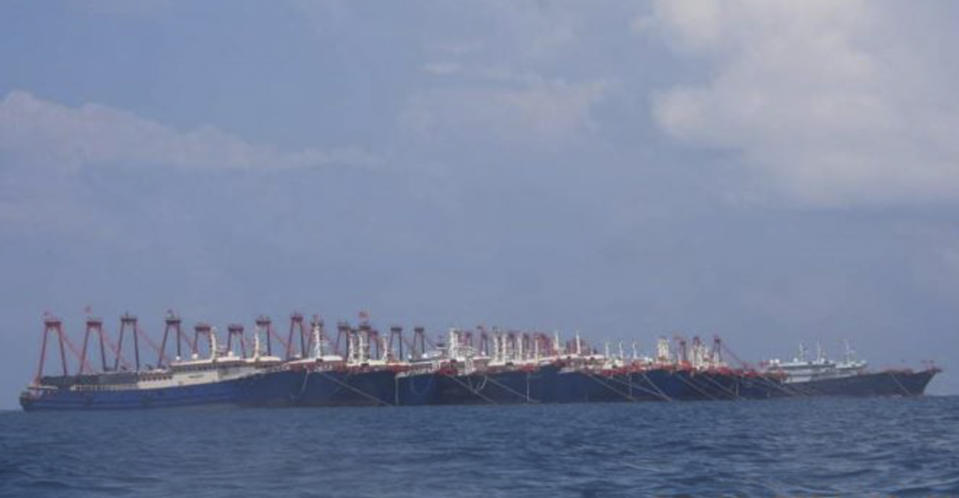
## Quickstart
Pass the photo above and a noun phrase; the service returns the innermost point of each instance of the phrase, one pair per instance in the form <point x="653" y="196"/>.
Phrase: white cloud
<point x="832" y="102"/>
<point x="37" y="130"/>
<point x="508" y="76"/>
<point x="497" y="70"/>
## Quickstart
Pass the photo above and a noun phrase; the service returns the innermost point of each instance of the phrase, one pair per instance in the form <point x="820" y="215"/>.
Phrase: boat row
<point x="359" y="366"/>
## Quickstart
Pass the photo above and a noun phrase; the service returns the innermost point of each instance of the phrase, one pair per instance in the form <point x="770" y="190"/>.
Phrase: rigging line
<point x="357" y="391"/>
<point x="517" y="393"/>
<point x="469" y="388"/>
<point x="660" y="391"/>
<point x="724" y="388"/>
<point x="632" y="386"/>
<point x="482" y="385"/>
<point x="607" y="386"/>
<point x="694" y="386"/>
<point x="904" y="390"/>
<point x="306" y="378"/>
<point x="812" y="390"/>
<point x="646" y="390"/>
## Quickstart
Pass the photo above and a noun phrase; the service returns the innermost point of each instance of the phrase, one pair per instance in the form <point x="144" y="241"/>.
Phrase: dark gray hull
<point x="885" y="383"/>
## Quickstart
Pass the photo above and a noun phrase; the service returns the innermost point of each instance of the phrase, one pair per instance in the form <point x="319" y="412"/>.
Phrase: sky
<point x="771" y="172"/>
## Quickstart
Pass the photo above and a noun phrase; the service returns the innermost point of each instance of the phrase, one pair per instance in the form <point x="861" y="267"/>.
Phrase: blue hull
<point x="764" y="387"/>
<point x="509" y="387"/>
<point x="417" y="390"/>
<point x="649" y="385"/>
<point x="687" y="385"/>
<point x="887" y="383"/>
<point x="544" y="385"/>
<point x="584" y="386"/>
<point x="272" y="389"/>
<point x="344" y="388"/>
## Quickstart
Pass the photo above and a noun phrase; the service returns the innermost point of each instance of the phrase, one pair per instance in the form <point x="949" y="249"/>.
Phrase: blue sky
<point x="769" y="172"/>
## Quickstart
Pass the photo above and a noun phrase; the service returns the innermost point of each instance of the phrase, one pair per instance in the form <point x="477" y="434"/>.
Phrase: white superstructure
<point x="221" y="365"/>
<point x="801" y="369"/>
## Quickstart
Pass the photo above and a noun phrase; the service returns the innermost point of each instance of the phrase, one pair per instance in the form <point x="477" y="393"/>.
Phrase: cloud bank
<point x="834" y="103"/>
<point x="44" y="132"/>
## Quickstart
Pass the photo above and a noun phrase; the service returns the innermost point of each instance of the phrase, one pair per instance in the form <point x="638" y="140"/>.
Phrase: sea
<point x="787" y="447"/>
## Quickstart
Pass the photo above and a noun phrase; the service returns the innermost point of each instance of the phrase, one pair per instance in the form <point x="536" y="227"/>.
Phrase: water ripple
<point x="902" y="447"/>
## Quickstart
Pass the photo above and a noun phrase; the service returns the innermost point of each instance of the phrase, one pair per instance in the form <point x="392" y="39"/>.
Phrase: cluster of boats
<point x="359" y="366"/>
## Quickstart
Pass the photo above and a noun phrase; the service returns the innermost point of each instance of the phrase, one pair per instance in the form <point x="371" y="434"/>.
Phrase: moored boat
<point x="849" y="376"/>
<point x="220" y="378"/>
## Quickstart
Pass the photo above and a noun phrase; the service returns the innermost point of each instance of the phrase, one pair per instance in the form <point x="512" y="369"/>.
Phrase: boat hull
<point x="885" y="383"/>
<point x="417" y="389"/>
<point x="547" y="384"/>
<point x="276" y="388"/>
<point x="499" y="387"/>
<point x="226" y="392"/>
<point x="347" y="388"/>
<point x="585" y="386"/>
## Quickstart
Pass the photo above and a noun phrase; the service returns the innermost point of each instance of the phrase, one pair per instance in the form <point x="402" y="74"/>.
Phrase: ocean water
<point x="896" y="447"/>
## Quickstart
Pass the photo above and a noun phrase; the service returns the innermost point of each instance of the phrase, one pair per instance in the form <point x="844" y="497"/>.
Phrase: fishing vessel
<point x="587" y="376"/>
<point x="361" y="367"/>
<point x="365" y="377"/>
<point x="505" y="368"/>
<point x="222" y="377"/>
<point x="849" y="376"/>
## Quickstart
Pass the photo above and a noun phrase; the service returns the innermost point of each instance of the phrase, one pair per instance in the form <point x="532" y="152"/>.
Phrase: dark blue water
<point x="779" y="447"/>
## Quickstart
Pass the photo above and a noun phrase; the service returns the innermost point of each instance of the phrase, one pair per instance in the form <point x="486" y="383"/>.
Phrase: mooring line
<point x="660" y="391"/>
<point x="641" y="388"/>
<point x="517" y="393"/>
<point x="357" y="391"/>
<point x="717" y="384"/>
<point x="306" y="378"/>
<point x="906" y="391"/>
<point x="470" y="388"/>
<point x="607" y="386"/>
<point x="694" y="386"/>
